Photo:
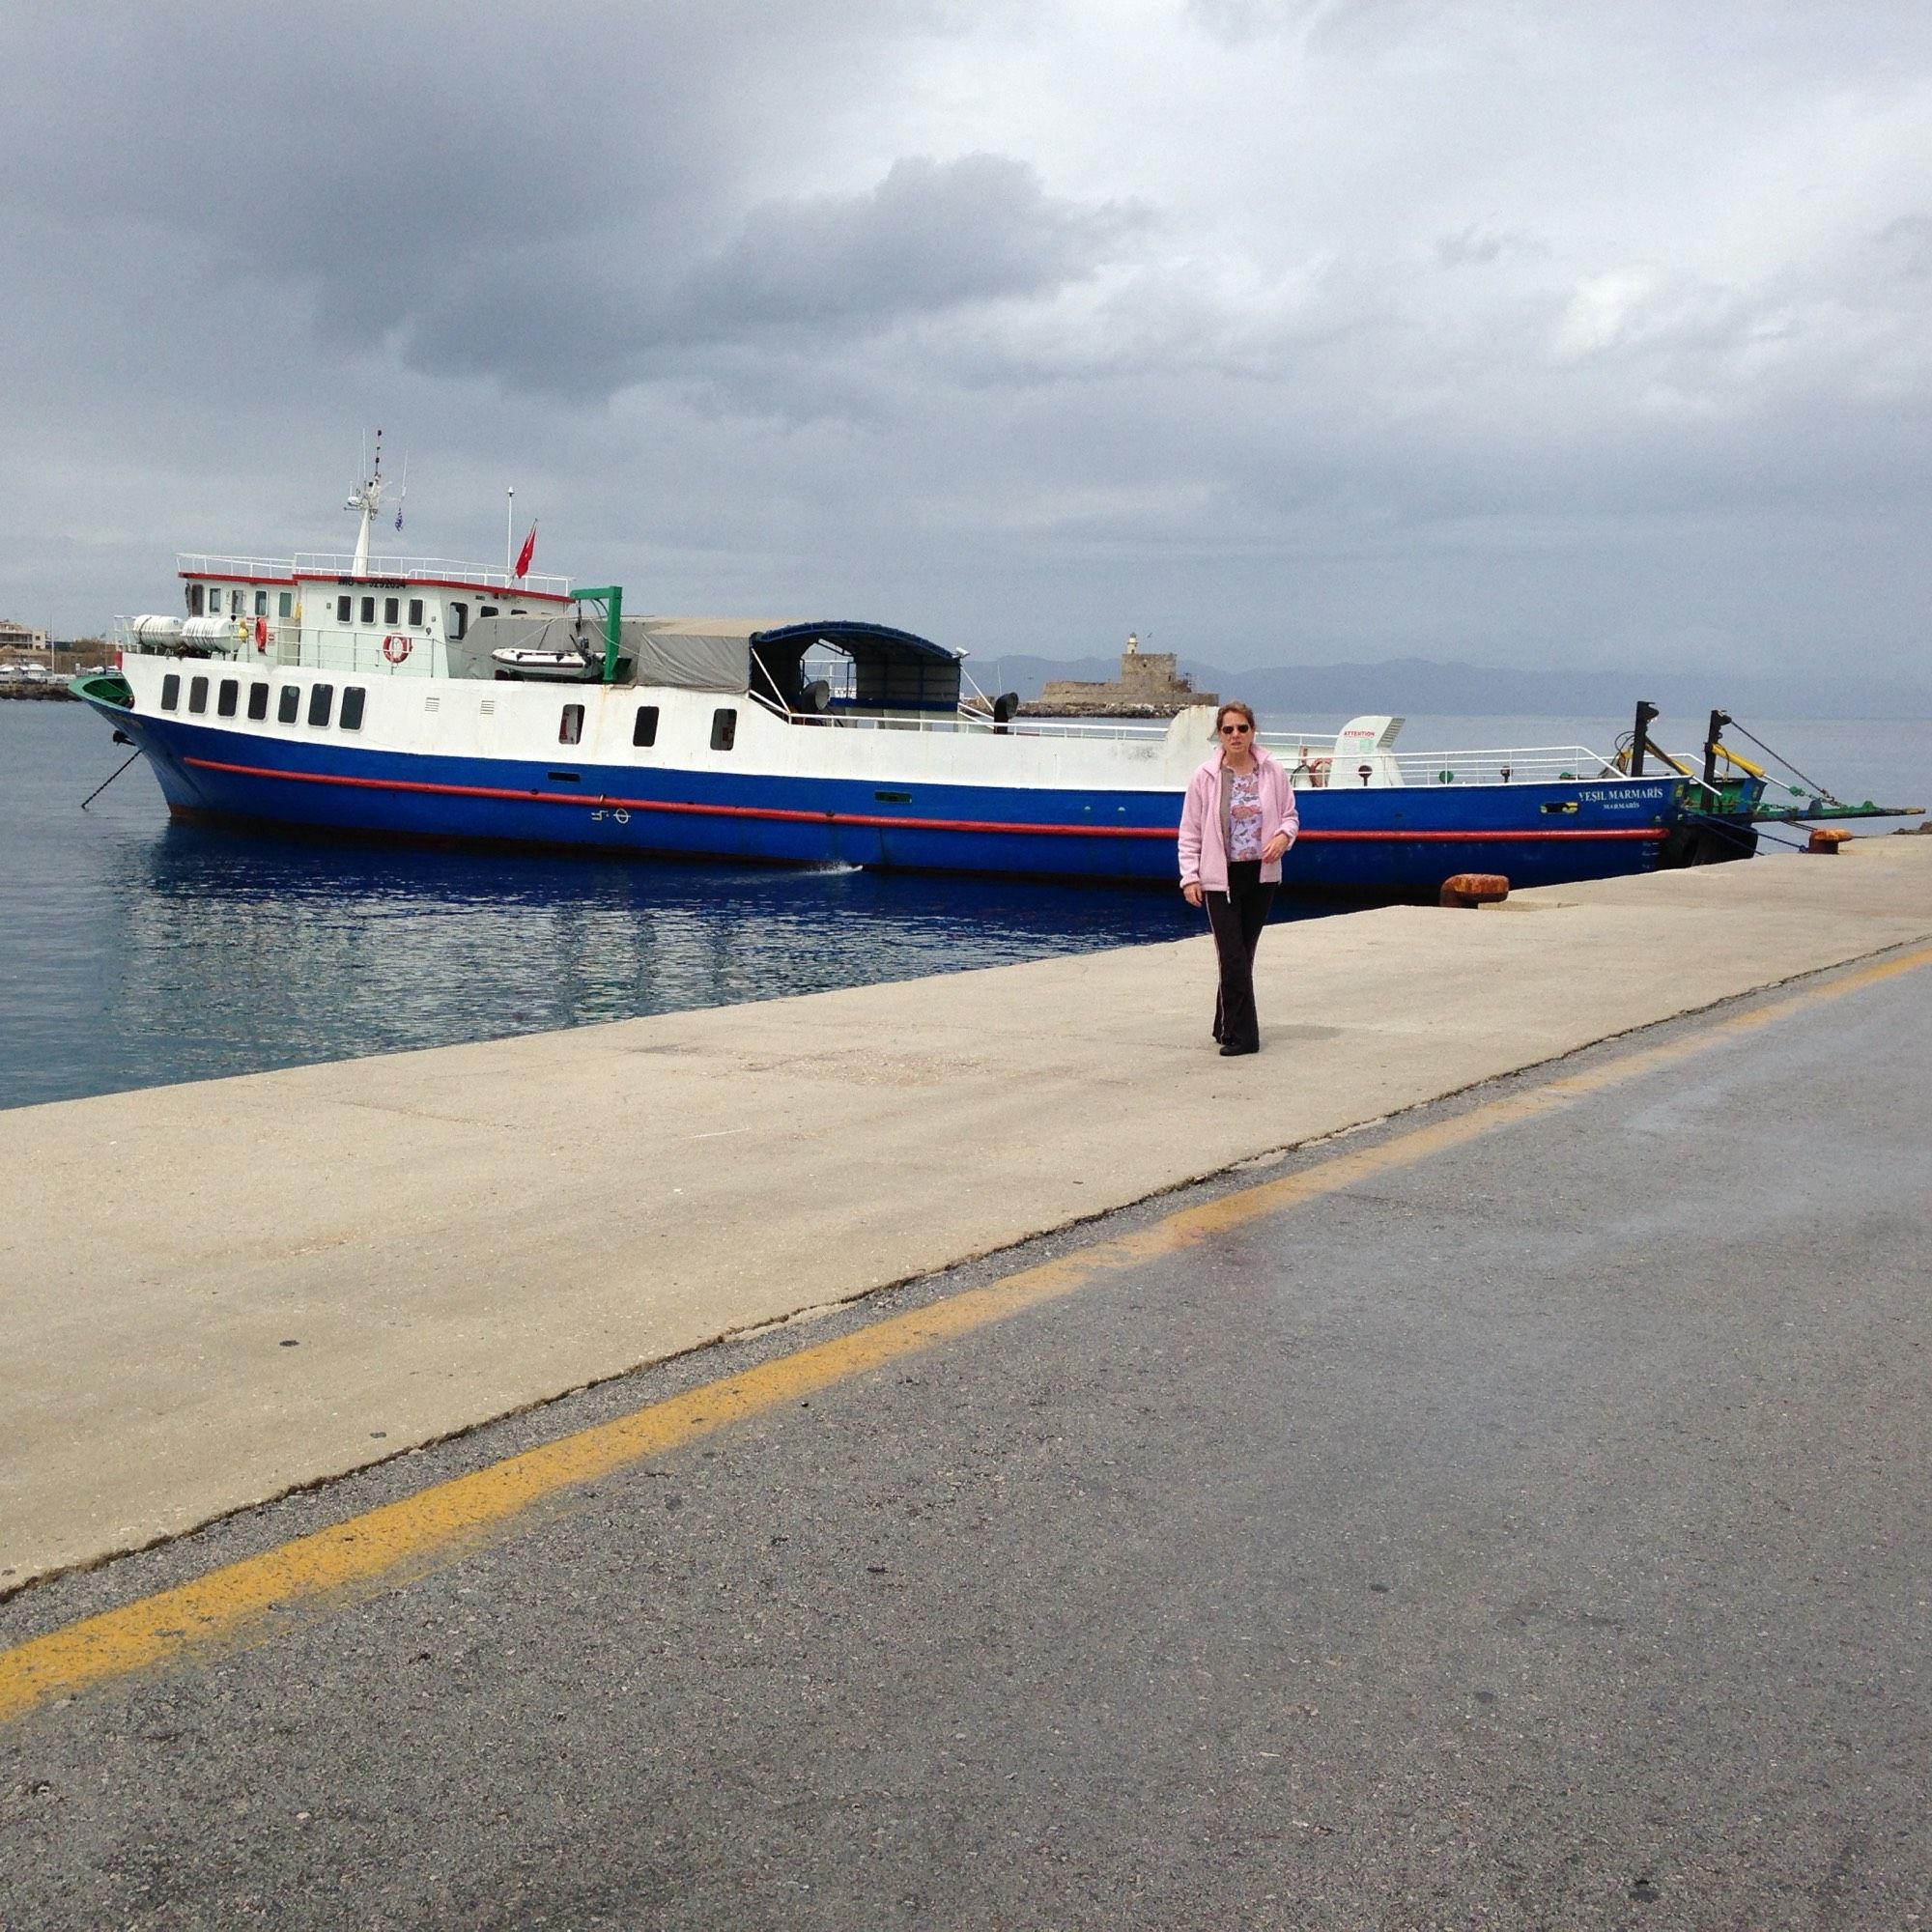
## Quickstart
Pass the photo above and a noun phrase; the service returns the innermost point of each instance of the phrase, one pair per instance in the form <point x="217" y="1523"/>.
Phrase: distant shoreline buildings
<point x="17" y="636"/>
<point x="34" y="663"/>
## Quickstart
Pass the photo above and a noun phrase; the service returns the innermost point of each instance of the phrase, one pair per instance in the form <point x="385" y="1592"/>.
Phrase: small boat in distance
<point x="417" y="697"/>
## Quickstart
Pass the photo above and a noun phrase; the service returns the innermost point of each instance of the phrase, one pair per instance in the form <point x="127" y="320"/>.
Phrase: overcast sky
<point x="1276" y="329"/>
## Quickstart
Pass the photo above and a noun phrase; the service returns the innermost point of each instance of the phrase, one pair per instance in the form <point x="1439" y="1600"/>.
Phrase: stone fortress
<point x="1149" y="685"/>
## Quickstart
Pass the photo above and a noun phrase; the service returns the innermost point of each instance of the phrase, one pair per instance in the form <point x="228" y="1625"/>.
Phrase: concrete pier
<point x="214" y="1294"/>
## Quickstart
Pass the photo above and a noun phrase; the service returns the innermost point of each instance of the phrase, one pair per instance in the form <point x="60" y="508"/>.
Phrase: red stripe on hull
<point x="604" y="801"/>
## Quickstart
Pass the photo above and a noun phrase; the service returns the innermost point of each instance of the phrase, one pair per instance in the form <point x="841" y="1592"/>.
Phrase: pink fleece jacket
<point x="1204" y="822"/>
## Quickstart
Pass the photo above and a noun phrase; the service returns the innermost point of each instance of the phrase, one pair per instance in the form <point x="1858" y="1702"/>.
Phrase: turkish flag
<point x="528" y="551"/>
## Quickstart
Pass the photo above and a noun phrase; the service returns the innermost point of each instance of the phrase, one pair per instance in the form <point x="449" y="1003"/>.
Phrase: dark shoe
<point x="1226" y="1051"/>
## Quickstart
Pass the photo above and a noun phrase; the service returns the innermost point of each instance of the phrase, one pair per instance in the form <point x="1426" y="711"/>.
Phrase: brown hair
<point x="1234" y="705"/>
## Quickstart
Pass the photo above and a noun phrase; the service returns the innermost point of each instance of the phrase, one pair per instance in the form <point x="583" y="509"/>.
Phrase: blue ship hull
<point x="1387" y="843"/>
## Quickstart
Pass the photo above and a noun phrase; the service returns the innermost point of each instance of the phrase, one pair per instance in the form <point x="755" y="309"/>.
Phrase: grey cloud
<point x="1907" y="245"/>
<point x="1499" y="304"/>
<point x="932" y="236"/>
<point x="803" y="275"/>
<point x="388" y="166"/>
<point x="1320" y="23"/>
<point x="1477" y="246"/>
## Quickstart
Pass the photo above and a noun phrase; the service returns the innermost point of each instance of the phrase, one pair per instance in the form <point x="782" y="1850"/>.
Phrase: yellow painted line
<point x="249" y="1601"/>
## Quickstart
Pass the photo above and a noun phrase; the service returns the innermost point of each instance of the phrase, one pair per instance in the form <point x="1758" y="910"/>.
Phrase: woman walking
<point x="1236" y="822"/>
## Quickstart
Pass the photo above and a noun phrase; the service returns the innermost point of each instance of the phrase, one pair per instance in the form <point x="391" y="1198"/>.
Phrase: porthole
<point x="171" y="691"/>
<point x="320" y="701"/>
<point x="570" y="730"/>
<point x="353" y="696"/>
<point x="287" y="705"/>
<point x="723" y="727"/>
<point x="197" y="694"/>
<point x="645" y="731"/>
<point x="258" y="700"/>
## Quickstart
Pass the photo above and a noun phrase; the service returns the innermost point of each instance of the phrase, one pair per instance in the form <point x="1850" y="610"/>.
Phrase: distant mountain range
<point x="1422" y="688"/>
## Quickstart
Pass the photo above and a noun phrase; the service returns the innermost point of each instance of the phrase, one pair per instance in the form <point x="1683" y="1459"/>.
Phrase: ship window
<point x="171" y="691"/>
<point x="368" y="609"/>
<point x="415" y="614"/>
<point x="228" y="696"/>
<point x="571" y="730"/>
<point x="352" y="707"/>
<point x="288" y="706"/>
<point x="258" y="700"/>
<point x="320" y="697"/>
<point x="197" y="694"/>
<point x="235" y="602"/>
<point x="260" y="603"/>
<point x="195" y="600"/>
<point x="645" y="731"/>
<point x="341" y="607"/>
<point x="723" y="727"/>
<point x="460" y="615"/>
<point x="391" y="608"/>
<point x="488" y="611"/>
<point x="284" y="602"/>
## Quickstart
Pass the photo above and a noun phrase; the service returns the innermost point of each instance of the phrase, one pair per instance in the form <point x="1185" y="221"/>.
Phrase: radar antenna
<point x="366" y="499"/>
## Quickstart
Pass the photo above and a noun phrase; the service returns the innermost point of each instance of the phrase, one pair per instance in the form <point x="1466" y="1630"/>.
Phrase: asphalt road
<point x="1534" y="1534"/>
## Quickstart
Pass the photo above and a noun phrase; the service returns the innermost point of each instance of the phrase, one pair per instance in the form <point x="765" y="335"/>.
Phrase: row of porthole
<point x="206" y="600"/>
<point x="288" y="704"/>
<point x="392" y="610"/>
<point x="322" y="699"/>
<point x="392" y="614"/>
<point x="644" y="732"/>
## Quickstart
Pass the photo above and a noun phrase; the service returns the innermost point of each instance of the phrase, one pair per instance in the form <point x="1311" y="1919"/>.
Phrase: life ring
<point x="396" y="648"/>
<point x="1317" y="771"/>
<point x="261" y="634"/>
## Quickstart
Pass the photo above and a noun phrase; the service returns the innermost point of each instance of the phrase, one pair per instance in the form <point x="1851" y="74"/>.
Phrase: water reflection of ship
<point x="411" y="948"/>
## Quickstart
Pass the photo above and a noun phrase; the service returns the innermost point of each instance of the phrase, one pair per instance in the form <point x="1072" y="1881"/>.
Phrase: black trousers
<point x="1238" y="917"/>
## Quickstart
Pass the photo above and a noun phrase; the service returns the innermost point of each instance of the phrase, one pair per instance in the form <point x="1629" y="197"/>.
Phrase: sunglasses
<point x="1229" y="730"/>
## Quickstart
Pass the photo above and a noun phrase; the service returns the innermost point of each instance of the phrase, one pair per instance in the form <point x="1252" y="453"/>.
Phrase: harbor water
<point x="136" y="951"/>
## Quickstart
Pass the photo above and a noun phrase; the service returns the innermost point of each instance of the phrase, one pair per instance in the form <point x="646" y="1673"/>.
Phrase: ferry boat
<point x="415" y="697"/>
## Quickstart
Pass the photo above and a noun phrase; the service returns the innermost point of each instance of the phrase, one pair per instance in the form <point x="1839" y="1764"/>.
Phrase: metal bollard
<point x="1474" y="888"/>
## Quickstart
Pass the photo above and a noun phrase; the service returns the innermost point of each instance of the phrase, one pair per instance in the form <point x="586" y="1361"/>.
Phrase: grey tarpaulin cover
<point x="891" y="668"/>
<point x="687" y="653"/>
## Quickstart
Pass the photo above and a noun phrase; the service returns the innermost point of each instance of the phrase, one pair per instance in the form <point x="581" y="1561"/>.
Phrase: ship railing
<point x="327" y="648"/>
<point x="1146" y="731"/>
<point x="279" y="569"/>
<point x="320" y="563"/>
<point x="1132" y="730"/>
<point x="972" y="721"/>
<point x="1533" y="764"/>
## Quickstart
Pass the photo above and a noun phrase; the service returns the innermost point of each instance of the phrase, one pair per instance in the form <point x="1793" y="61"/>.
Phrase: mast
<point x="366" y="499"/>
